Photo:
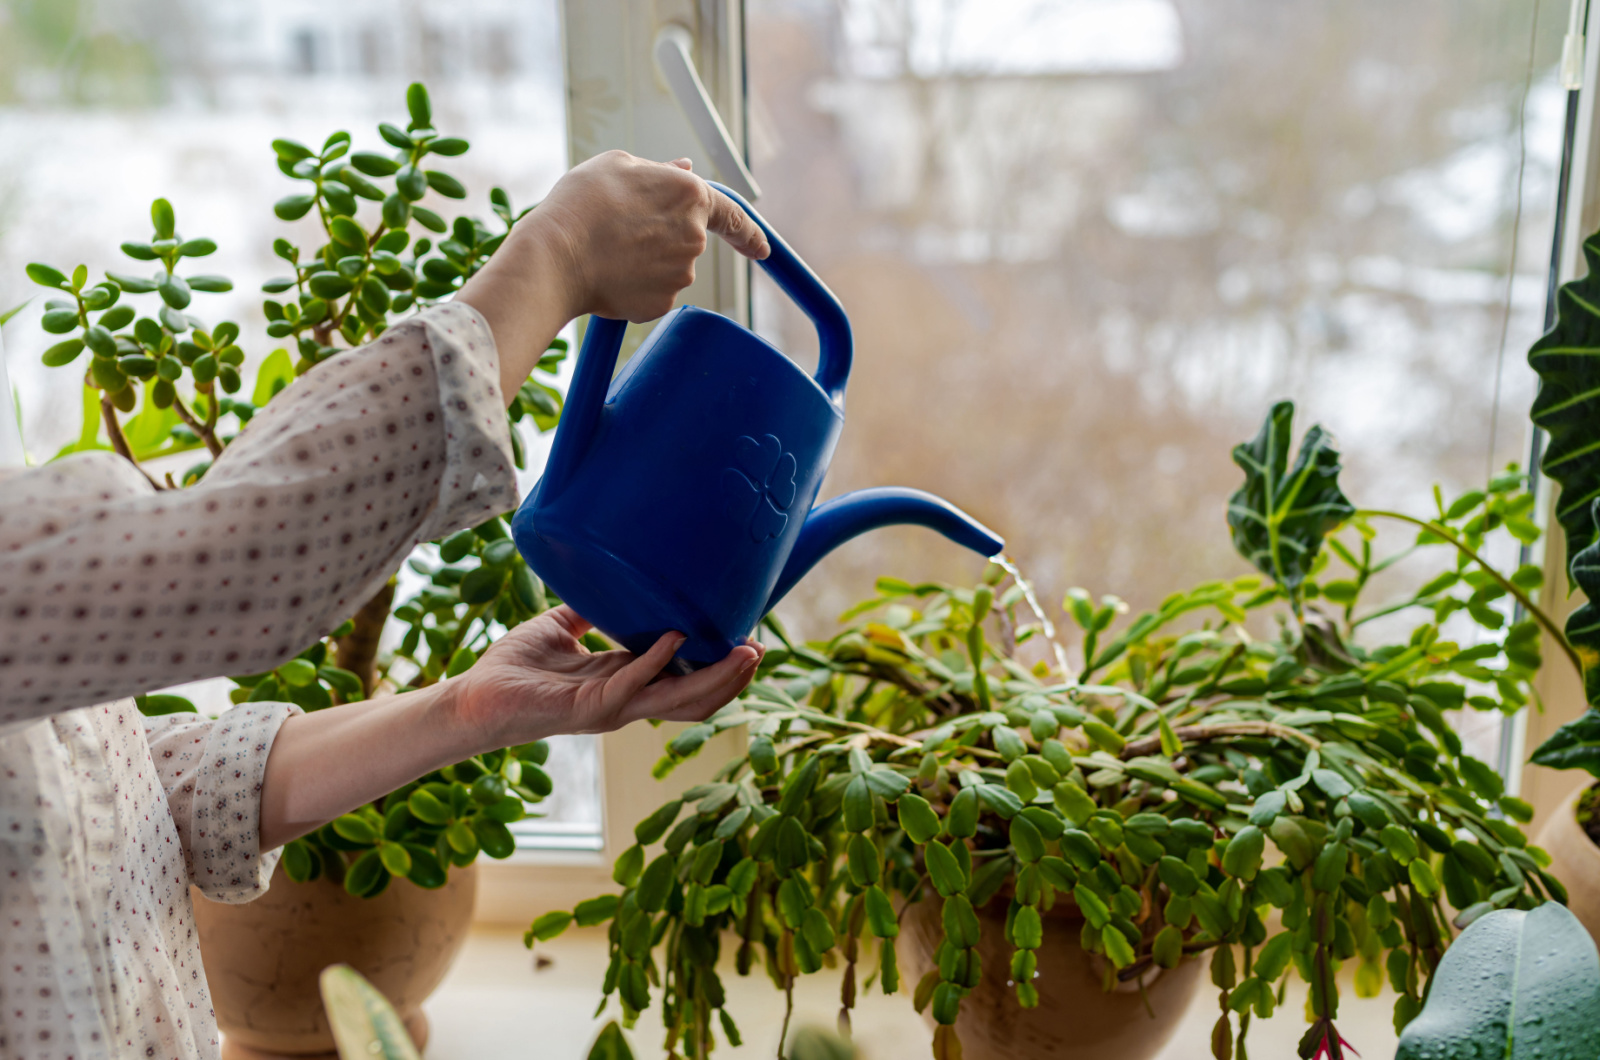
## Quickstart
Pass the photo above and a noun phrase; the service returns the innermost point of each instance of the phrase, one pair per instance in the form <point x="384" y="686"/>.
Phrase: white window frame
<point x="616" y="99"/>
<point x="1559" y="689"/>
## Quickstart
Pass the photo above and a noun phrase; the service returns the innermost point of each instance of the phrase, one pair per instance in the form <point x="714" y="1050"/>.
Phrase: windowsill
<point x="497" y="1002"/>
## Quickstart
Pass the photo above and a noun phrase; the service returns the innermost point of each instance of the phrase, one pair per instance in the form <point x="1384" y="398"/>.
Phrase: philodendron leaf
<point x="1576" y="745"/>
<point x="1583" y="625"/>
<point x="1567" y="359"/>
<point x="1281" y="514"/>
<point x="365" y="1026"/>
<point x="1516" y="985"/>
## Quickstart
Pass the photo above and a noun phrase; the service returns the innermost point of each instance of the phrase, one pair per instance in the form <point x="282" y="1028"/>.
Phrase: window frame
<point x="606" y="45"/>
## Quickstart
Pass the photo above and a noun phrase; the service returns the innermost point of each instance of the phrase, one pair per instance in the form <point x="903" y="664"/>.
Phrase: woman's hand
<point x="630" y="230"/>
<point x="536" y="681"/>
<point x="617" y="236"/>
<point x="539" y="680"/>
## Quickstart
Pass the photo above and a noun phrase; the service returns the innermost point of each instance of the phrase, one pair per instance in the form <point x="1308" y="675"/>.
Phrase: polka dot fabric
<point x="109" y="588"/>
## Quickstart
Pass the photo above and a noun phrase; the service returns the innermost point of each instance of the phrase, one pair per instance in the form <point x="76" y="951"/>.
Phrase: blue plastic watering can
<point x="678" y="496"/>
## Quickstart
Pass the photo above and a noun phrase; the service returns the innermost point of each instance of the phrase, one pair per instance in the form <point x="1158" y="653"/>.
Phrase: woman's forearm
<point x="524" y="296"/>
<point x="330" y="762"/>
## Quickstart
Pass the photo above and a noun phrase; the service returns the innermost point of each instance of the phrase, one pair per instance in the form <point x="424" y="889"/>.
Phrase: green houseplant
<point x="1235" y="753"/>
<point x="160" y="381"/>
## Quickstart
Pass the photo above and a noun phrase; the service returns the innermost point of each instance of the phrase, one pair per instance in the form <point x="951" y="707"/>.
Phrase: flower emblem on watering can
<point x="760" y="489"/>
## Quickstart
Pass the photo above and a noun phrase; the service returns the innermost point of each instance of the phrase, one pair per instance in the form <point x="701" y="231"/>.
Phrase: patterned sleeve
<point x="115" y="591"/>
<point x="211" y="772"/>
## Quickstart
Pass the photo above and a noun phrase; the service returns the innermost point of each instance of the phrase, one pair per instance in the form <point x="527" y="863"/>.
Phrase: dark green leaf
<point x="293" y="207"/>
<point x="445" y="185"/>
<point x="1281" y="514"/>
<point x="373" y="164"/>
<point x="45" y="276"/>
<point x="155" y="705"/>
<point x="1576" y="745"/>
<point x="162" y="217"/>
<point x="418" y="106"/>
<point x="550" y="925"/>
<point x="63" y="353"/>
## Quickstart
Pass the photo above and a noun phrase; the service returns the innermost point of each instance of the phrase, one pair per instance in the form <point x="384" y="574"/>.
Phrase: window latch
<point x="675" y="62"/>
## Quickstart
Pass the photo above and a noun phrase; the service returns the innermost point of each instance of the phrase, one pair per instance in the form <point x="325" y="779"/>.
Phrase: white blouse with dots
<point x="109" y="588"/>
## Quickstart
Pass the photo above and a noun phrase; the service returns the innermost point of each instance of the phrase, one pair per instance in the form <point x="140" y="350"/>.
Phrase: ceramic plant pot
<point x="262" y="958"/>
<point x="1075" y="1019"/>
<point x="1575" y="861"/>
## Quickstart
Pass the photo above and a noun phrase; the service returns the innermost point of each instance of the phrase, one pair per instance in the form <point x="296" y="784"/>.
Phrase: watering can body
<point x="679" y="496"/>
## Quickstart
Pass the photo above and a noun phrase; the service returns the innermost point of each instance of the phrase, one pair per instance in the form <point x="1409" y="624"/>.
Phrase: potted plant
<point x="1237" y="777"/>
<point x="1567" y="409"/>
<point x="160" y="381"/>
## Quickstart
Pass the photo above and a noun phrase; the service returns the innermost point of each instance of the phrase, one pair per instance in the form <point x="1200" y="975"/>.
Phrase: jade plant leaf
<point x="365" y="1026"/>
<point x="1281" y="513"/>
<point x="1515" y="985"/>
<point x="1576" y="745"/>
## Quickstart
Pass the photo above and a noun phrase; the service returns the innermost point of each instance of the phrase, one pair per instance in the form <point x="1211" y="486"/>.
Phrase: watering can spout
<point x="834" y="522"/>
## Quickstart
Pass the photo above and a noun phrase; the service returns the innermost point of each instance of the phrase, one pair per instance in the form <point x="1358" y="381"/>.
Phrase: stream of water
<point x="1005" y="563"/>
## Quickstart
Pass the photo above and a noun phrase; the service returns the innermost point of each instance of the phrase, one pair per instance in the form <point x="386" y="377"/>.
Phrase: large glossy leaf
<point x="1576" y="745"/>
<point x="1281" y="513"/>
<point x="365" y="1026"/>
<point x="1567" y="359"/>
<point x="1516" y="985"/>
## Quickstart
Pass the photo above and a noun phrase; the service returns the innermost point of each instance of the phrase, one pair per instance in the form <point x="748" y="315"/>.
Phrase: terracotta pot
<point x="1075" y="1018"/>
<point x="262" y="958"/>
<point x="1575" y="861"/>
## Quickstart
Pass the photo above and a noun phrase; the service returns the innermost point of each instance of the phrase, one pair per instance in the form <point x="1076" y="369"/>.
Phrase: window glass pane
<point x="1086" y="244"/>
<point x="105" y="106"/>
<point x="570" y="819"/>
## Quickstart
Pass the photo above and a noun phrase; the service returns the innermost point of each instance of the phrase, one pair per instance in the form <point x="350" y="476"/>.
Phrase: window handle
<point x="676" y="65"/>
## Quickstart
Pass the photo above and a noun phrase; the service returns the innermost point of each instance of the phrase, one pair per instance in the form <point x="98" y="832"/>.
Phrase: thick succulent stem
<point x="203" y="431"/>
<point x="357" y="651"/>
<point x="119" y="441"/>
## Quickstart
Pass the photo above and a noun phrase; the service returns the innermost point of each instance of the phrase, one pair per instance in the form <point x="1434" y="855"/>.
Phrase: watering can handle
<point x="795" y="278"/>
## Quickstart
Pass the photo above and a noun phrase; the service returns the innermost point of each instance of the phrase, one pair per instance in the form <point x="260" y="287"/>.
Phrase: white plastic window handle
<point x="676" y="63"/>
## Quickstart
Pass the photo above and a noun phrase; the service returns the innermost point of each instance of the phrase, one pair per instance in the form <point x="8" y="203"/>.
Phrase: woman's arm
<point x="536" y="681"/>
<point x="617" y="236"/>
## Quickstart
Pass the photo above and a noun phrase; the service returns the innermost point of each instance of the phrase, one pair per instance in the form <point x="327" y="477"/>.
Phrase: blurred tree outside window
<point x="1086" y="243"/>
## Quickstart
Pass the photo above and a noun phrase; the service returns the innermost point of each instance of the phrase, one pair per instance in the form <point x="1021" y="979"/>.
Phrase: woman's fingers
<point x="727" y="220"/>
<point x="570" y="620"/>
<point x="700" y="693"/>
<point x="627" y="683"/>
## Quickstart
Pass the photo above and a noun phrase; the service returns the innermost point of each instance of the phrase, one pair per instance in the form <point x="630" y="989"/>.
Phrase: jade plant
<point x="160" y="381"/>
<point x="1251" y="752"/>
